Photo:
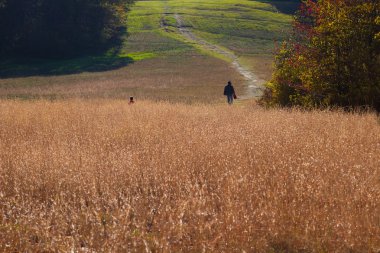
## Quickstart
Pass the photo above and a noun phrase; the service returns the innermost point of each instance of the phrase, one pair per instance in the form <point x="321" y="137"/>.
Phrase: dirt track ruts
<point x="254" y="84"/>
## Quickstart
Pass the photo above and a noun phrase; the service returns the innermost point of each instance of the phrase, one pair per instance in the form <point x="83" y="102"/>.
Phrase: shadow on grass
<point x="24" y="67"/>
<point x="284" y="6"/>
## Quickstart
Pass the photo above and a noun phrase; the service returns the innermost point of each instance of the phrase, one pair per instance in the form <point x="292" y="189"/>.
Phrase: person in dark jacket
<point x="229" y="91"/>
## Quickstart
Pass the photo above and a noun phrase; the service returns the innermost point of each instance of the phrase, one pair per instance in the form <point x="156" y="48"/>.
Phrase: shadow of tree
<point x="24" y="67"/>
<point x="284" y="6"/>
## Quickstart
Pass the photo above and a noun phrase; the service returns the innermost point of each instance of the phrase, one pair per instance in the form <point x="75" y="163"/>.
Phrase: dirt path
<point x="254" y="84"/>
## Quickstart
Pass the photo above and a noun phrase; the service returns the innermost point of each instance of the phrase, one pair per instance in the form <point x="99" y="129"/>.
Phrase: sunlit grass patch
<point x="145" y="15"/>
<point x="138" y="56"/>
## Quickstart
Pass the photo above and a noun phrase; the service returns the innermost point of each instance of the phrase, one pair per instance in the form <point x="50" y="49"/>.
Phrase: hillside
<point x="157" y="61"/>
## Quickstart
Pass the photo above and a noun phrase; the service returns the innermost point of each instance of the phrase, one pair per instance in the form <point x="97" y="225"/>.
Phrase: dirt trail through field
<point x="254" y="84"/>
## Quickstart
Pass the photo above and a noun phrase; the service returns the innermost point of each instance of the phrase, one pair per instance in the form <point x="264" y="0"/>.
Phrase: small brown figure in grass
<point x="131" y="101"/>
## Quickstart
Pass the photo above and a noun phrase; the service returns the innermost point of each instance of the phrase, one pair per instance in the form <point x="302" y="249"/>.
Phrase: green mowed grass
<point x="245" y="27"/>
<point x="145" y="16"/>
<point x="154" y="42"/>
<point x="250" y="29"/>
<point x="146" y="23"/>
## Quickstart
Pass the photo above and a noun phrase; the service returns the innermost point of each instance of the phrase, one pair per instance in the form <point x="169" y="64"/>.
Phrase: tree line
<point x="60" y="28"/>
<point x="332" y="57"/>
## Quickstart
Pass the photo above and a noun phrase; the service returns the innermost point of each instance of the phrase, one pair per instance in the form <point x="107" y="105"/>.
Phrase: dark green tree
<point x="61" y="28"/>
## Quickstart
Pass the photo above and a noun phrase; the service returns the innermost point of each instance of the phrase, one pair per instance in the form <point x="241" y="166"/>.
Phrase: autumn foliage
<point x="332" y="57"/>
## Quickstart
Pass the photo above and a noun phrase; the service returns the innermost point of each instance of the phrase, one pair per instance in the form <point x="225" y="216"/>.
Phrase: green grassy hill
<point x="156" y="61"/>
<point x="244" y="27"/>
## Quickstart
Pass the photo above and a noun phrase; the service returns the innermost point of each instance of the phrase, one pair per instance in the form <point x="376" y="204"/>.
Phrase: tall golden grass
<point x="102" y="176"/>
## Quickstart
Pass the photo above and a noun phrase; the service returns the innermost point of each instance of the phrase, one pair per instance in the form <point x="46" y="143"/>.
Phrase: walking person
<point x="229" y="91"/>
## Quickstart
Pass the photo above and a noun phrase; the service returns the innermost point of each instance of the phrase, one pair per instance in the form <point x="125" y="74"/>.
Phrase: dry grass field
<point x="102" y="176"/>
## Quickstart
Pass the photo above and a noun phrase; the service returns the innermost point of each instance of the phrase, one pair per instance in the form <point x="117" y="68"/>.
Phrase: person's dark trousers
<point x="230" y="99"/>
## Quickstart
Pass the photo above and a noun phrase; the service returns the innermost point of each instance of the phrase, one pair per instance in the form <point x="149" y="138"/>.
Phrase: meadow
<point x="245" y="27"/>
<point x="180" y="171"/>
<point x="172" y="79"/>
<point x="103" y="176"/>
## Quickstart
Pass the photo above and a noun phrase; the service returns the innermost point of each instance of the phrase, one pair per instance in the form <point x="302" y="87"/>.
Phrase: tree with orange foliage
<point x="332" y="57"/>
